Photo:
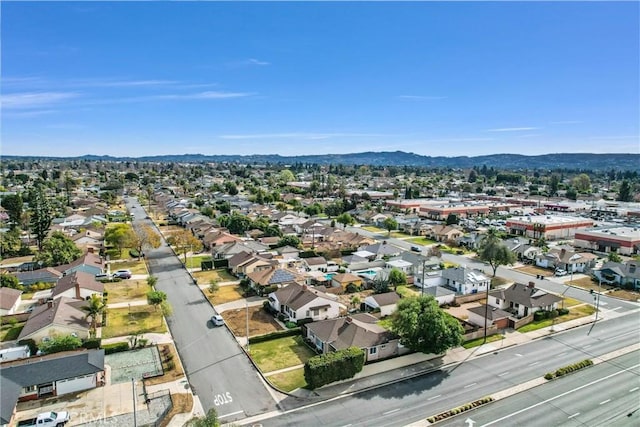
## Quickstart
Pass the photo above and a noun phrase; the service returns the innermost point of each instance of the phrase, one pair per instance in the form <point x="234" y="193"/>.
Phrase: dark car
<point x="122" y="274"/>
<point x="416" y="249"/>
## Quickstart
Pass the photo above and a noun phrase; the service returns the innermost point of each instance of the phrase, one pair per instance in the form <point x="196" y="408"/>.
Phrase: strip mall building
<point x="623" y="240"/>
<point x="549" y="227"/>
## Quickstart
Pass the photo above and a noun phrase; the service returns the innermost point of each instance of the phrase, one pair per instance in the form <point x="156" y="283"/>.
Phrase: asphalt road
<point x="415" y="399"/>
<point x="219" y="372"/>
<point x="604" y="394"/>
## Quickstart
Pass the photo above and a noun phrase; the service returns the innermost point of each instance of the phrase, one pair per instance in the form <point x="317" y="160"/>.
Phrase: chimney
<point x="531" y="285"/>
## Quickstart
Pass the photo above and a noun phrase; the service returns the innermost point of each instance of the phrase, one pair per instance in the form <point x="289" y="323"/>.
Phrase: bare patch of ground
<point x="260" y="322"/>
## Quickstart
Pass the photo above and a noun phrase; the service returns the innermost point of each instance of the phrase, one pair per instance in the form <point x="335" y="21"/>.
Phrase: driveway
<point x="219" y="372"/>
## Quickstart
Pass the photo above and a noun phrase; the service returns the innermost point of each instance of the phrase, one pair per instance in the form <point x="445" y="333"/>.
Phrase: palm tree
<point x="94" y="309"/>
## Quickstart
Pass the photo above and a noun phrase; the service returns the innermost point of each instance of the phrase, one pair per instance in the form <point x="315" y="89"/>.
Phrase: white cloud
<point x="35" y="99"/>
<point x="520" y="129"/>
<point x="421" y="97"/>
<point x="253" y="61"/>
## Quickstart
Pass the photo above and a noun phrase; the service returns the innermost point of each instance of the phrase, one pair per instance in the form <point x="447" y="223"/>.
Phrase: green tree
<point x="624" y="193"/>
<point x="380" y="286"/>
<point x="213" y="286"/>
<point x="493" y="251"/>
<point x="614" y="257"/>
<point x="41" y="216"/>
<point x="120" y="236"/>
<point x="209" y="420"/>
<point x="144" y="238"/>
<point x="94" y="309"/>
<point x="582" y="183"/>
<point x="423" y="326"/>
<point x="9" y="281"/>
<point x="286" y="176"/>
<point x="152" y="280"/>
<point x="397" y="277"/>
<point x="345" y="219"/>
<point x="61" y="343"/>
<point x="11" y="244"/>
<point x="452" y="219"/>
<point x="13" y="204"/>
<point x="289" y="241"/>
<point x="57" y="249"/>
<point x="554" y="183"/>
<point x="390" y="224"/>
<point x="184" y="241"/>
<point x="156" y="298"/>
<point x="165" y="309"/>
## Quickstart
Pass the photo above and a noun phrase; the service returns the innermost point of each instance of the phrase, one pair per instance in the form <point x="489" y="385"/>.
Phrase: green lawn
<point x="373" y="229"/>
<point x="407" y="291"/>
<point x="116" y="254"/>
<point x="144" y="318"/>
<point x="290" y="380"/>
<point x="422" y="241"/>
<point x="136" y="267"/>
<point x="575" y="313"/>
<point x="224" y="294"/>
<point x="194" y="261"/>
<point x="10" y="332"/>
<point x="479" y="341"/>
<point x="280" y="353"/>
<point x="127" y="290"/>
<point x="221" y="275"/>
<point x="570" y="302"/>
<point x="399" y="235"/>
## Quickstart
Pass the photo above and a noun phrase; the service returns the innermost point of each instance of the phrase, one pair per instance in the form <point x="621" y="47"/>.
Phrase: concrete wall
<point x="461" y="299"/>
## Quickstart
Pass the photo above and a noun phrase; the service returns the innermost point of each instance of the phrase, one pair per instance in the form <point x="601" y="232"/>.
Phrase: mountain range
<point x="573" y="161"/>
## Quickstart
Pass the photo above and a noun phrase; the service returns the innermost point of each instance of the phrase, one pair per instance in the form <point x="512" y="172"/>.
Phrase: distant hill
<point x="399" y="158"/>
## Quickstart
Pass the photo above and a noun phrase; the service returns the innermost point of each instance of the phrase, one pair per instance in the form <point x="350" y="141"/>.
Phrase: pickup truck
<point x="47" y="419"/>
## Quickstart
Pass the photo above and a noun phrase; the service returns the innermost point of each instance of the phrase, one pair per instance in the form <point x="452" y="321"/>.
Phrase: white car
<point x="217" y="320"/>
<point x="561" y="272"/>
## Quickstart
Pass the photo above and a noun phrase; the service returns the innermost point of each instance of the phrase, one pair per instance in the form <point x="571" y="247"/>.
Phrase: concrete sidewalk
<point x="151" y="337"/>
<point x="241" y="303"/>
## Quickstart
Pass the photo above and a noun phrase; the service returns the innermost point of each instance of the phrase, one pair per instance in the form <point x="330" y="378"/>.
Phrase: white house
<point x="523" y="300"/>
<point x="386" y="302"/>
<point x="9" y="301"/>
<point x="302" y="302"/>
<point x="465" y="281"/>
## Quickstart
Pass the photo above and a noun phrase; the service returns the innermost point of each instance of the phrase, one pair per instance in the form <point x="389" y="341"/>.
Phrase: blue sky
<point x="134" y="79"/>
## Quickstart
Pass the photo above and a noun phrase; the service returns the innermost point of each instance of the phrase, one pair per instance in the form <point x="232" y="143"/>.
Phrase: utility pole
<point x="247" y="304"/>
<point x="424" y="261"/>
<point x="135" y="415"/>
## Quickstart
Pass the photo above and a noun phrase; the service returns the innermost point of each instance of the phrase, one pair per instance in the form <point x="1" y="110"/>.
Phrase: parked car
<point x="217" y="320"/>
<point x="102" y="276"/>
<point x="122" y="274"/>
<point x="561" y="272"/>
<point x="47" y="419"/>
<point x="416" y="249"/>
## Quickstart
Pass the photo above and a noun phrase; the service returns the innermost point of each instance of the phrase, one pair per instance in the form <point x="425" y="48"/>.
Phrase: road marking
<point x="503" y="374"/>
<point x="617" y="308"/>
<point x="470" y="385"/>
<point x="562" y="354"/>
<point x="605" y="401"/>
<point x="228" y="415"/>
<point x="544" y="402"/>
<point x="434" y="397"/>
<point x="347" y="425"/>
<point x="574" y="415"/>
<point x="533" y="364"/>
<point x="634" y="389"/>
<point x="518" y="354"/>
<point x="391" y="411"/>
<point x="619" y="335"/>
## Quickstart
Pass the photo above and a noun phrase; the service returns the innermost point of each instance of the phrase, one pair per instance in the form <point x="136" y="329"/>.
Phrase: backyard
<point x="219" y="275"/>
<point x="224" y="294"/>
<point x="280" y="353"/>
<point x="260" y="322"/>
<point x="10" y="332"/>
<point x="131" y="320"/>
<point x="575" y="312"/>
<point x="127" y="290"/>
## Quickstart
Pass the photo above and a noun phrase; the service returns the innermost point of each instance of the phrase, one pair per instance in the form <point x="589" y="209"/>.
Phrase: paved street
<point x="599" y="395"/>
<point x="219" y="372"/>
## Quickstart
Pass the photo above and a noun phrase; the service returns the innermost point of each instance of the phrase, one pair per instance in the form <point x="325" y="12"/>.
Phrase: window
<point x="30" y="389"/>
<point x="307" y="313"/>
<point x="373" y="350"/>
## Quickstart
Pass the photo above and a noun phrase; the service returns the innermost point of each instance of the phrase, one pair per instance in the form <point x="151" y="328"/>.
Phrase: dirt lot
<point x="624" y="294"/>
<point x="533" y="270"/>
<point x="260" y="322"/>
<point x="461" y="312"/>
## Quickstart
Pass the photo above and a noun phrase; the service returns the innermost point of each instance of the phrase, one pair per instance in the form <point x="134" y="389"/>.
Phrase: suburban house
<point x="244" y="264"/>
<point x="441" y="294"/>
<point x="89" y="263"/>
<point x="359" y="330"/>
<point x="271" y="276"/>
<point x="495" y="316"/>
<point x="46" y="376"/>
<point x="302" y="302"/>
<point x="316" y="263"/>
<point x="88" y="240"/>
<point x="624" y="274"/>
<point x="445" y="233"/>
<point x="381" y="250"/>
<point x="345" y="279"/>
<point x="523" y="249"/>
<point x="78" y="285"/>
<point x="567" y="260"/>
<point x="523" y="300"/>
<point x="41" y="275"/>
<point x="9" y="300"/>
<point x="228" y="250"/>
<point x="62" y="316"/>
<point x="465" y="281"/>
<point x="385" y="302"/>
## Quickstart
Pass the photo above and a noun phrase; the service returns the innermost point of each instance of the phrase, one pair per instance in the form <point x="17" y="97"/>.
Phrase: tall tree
<point x="345" y="219"/>
<point x="397" y="277"/>
<point x="554" y="183"/>
<point x="423" y="326"/>
<point x="57" y="249"/>
<point x="493" y="251"/>
<point x="184" y="241"/>
<point x="145" y="238"/>
<point x="582" y="183"/>
<point x="155" y="298"/>
<point x="41" y="216"/>
<point x="624" y="194"/>
<point x="390" y="224"/>
<point x="94" y="309"/>
<point x="120" y="236"/>
<point x="13" y="204"/>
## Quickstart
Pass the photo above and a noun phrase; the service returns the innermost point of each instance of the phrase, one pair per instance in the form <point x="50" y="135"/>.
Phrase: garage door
<point x="75" y="384"/>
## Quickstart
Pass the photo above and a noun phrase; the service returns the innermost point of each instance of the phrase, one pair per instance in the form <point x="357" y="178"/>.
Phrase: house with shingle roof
<point x="465" y="281"/>
<point x="495" y="316"/>
<point x="49" y="375"/>
<point x="624" y="274"/>
<point x="62" y="316"/>
<point x="316" y="263"/>
<point x="89" y="263"/>
<point x="345" y="279"/>
<point x="359" y="330"/>
<point x="272" y="276"/>
<point x="9" y="300"/>
<point x="78" y="285"/>
<point x="386" y="302"/>
<point x="523" y="300"/>
<point x="41" y="275"/>
<point x="303" y="302"/>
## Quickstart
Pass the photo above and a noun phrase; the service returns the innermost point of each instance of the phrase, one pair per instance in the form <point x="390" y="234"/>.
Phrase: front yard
<point x="220" y="275"/>
<point x="136" y="267"/>
<point x="131" y="320"/>
<point x="290" y="380"/>
<point x="575" y="312"/>
<point x="260" y="322"/>
<point x="195" y="261"/>
<point x="422" y="241"/>
<point x="479" y="341"/>
<point x="170" y="365"/>
<point x="534" y="271"/>
<point x="280" y="353"/>
<point x="127" y="290"/>
<point x="224" y="294"/>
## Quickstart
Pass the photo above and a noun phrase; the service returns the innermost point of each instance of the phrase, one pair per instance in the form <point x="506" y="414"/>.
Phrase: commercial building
<point x="549" y="227"/>
<point x="624" y="240"/>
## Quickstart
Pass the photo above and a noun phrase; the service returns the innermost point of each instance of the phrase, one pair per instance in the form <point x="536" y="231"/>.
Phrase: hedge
<point x="92" y="343"/>
<point x="115" y="347"/>
<point x="327" y="368"/>
<point x="460" y="409"/>
<point x="206" y="265"/>
<point x="274" y="335"/>
<point x="220" y="263"/>
<point x="568" y="369"/>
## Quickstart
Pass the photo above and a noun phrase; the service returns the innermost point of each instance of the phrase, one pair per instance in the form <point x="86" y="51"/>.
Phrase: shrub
<point x="548" y="376"/>
<point x="274" y="335"/>
<point x="563" y="311"/>
<point x="281" y="317"/>
<point x="291" y="325"/>
<point x="92" y="343"/>
<point x="115" y="347"/>
<point x="327" y="368"/>
<point x="134" y="253"/>
<point x="351" y="288"/>
<point x="304" y="321"/>
<point x="268" y="289"/>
